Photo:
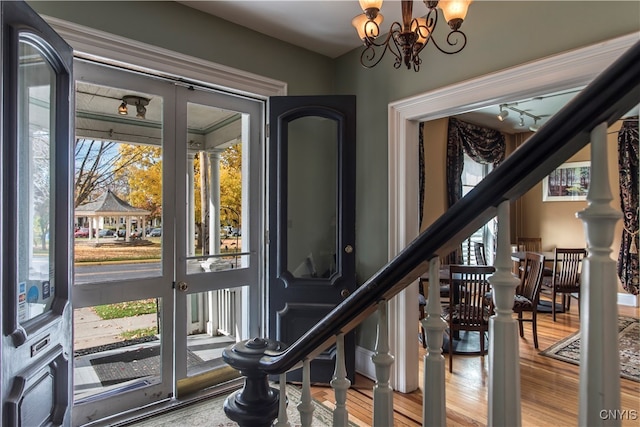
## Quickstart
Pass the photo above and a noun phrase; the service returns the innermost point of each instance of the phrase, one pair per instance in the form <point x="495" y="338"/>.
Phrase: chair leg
<point x="520" y="325"/>
<point x="450" y="351"/>
<point x="424" y="341"/>
<point x="553" y="304"/>
<point x="534" y="327"/>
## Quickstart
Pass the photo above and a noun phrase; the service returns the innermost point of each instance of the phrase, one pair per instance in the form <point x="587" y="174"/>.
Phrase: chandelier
<point x="405" y="41"/>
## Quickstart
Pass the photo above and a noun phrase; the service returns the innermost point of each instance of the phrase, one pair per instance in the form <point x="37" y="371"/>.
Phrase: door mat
<point x="210" y="412"/>
<point x="132" y="364"/>
<point x="568" y="349"/>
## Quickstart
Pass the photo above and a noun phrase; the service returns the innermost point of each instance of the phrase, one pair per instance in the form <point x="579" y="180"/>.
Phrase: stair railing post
<point x="599" y="353"/>
<point x="283" y="418"/>
<point x="504" y="353"/>
<point x="340" y="384"/>
<point x="382" y="391"/>
<point x="256" y="404"/>
<point x="305" y="407"/>
<point x="434" y="412"/>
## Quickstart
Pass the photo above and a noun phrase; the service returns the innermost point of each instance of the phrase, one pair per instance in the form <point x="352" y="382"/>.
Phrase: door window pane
<point x="116" y="345"/>
<point x="35" y="186"/>
<point x="312" y="189"/>
<point x="217" y="189"/>
<point x="118" y="185"/>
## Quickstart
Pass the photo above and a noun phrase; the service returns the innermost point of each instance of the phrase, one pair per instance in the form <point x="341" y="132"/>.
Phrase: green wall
<point x="182" y="29"/>
<point x="501" y="34"/>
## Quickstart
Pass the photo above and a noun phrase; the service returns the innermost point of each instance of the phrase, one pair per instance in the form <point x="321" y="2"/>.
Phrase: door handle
<point x="183" y="286"/>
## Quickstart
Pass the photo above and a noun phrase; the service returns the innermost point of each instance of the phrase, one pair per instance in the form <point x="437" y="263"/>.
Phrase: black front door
<point x="311" y="219"/>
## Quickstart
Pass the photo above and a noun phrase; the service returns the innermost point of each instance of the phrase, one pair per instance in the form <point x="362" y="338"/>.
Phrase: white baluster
<point x="283" y="419"/>
<point x="599" y="354"/>
<point x="434" y="399"/>
<point x="504" y="353"/>
<point x="305" y="407"/>
<point x="382" y="391"/>
<point x="340" y="384"/>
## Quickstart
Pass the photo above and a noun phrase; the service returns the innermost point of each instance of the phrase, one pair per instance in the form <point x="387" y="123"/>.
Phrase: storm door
<point x="219" y="158"/>
<point x="123" y="241"/>
<point x="311" y="219"/>
<point x="35" y="202"/>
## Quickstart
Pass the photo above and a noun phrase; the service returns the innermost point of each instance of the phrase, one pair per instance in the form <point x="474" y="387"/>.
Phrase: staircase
<point x="585" y="120"/>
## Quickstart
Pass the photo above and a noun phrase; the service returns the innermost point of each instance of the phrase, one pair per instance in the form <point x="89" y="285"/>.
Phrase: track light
<point x="534" y="127"/>
<point x="503" y="113"/>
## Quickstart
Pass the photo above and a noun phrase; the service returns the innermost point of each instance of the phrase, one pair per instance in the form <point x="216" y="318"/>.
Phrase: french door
<point x="167" y="179"/>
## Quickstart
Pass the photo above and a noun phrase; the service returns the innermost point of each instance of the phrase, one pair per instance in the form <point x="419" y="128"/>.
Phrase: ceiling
<point x="325" y="27"/>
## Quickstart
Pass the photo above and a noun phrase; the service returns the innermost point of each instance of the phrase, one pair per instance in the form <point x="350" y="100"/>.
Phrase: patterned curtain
<point x="482" y="144"/>
<point x="628" y="173"/>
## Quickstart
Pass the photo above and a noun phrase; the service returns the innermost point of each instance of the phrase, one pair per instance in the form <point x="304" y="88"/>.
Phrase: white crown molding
<point x="567" y="70"/>
<point x="109" y="48"/>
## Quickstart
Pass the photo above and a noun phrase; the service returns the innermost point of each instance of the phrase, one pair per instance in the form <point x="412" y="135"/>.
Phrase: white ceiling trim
<point x="104" y="47"/>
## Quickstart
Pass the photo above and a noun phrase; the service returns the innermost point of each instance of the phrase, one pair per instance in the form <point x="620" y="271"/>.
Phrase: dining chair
<point x="478" y="250"/>
<point x="468" y="310"/>
<point x="528" y="293"/>
<point x="565" y="279"/>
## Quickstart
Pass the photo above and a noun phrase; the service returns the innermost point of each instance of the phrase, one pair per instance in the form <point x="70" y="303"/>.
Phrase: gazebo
<point x="110" y="206"/>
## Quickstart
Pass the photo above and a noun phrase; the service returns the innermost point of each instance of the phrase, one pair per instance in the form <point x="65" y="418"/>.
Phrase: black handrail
<point x="612" y="94"/>
<point x="606" y="99"/>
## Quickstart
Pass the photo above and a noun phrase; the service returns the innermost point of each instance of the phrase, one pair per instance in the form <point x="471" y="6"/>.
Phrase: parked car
<point x="81" y="232"/>
<point x="156" y="232"/>
<point x="106" y="233"/>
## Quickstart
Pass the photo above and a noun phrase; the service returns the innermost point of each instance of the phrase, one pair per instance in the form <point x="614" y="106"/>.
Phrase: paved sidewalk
<point x="92" y="331"/>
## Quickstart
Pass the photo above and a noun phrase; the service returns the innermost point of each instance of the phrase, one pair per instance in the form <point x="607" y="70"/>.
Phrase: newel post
<point x="256" y="404"/>
<point x="599" y="354"/>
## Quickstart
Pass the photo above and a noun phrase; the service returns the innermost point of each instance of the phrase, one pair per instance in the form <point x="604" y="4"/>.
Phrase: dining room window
<point x="472" y="174"/>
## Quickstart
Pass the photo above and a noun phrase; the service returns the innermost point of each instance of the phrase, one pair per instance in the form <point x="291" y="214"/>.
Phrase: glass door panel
<point x="123" y="255"/>
<point x="36" y="285"/>
<point x="217" y="272"/>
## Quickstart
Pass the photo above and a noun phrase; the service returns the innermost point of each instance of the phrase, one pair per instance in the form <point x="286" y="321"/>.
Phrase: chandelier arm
<point x="453" y="38"/>
<point x="369" y="58"/>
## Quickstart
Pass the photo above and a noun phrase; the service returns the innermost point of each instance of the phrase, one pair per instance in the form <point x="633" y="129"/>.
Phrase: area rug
<point x="210" y="413"/>
<point x="568" y="349"/>
<point x="129" y="365"/>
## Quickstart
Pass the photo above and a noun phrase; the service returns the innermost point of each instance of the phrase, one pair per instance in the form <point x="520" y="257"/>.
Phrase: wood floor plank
<point x="549" y="387"/>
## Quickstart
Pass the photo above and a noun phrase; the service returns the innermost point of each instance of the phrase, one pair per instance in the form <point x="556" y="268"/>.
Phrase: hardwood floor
<point x="549" y="387"/>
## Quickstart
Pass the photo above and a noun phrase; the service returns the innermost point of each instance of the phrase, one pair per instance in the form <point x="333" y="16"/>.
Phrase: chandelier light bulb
<point x="454" y="11"/>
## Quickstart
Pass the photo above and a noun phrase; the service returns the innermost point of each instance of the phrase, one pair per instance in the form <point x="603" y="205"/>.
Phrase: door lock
<point x="348" y="249"/>
<point x="344" y="293"/>
<point x="182" y="286"/>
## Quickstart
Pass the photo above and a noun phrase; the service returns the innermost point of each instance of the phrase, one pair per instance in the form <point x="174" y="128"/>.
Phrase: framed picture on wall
<point x="570" y="182"/>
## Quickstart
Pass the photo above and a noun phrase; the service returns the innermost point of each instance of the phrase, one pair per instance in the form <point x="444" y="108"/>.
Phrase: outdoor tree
<point x="143" y="177"/>
<point x="41" y="185"/>
<point x="97" y="164"/>
<point x="231" y="185"/>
